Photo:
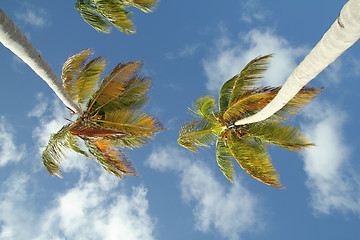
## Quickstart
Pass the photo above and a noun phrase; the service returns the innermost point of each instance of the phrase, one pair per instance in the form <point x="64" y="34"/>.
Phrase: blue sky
<point x="190" y="48"/>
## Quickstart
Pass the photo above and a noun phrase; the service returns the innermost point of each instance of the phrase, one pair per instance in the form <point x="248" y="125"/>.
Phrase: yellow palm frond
<point x="114" y="84"/>
<point x="144" y="5"/>
<point x="132" y="122"/>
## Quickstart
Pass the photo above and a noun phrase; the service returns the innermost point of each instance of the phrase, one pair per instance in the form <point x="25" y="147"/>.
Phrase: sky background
<point x="190" y="48"/>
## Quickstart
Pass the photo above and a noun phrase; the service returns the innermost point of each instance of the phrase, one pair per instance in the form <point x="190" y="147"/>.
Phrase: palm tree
<point x="100" y="14"/>
<point x="344" y="32"/>
<point x="113" y="117"/>
<point x="239" y="98"/>
<point x="12" y="38"/>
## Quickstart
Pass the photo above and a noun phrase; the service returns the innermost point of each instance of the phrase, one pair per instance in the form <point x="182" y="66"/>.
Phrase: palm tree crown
<point x="239" y="98"/>
<point x="112" y="117"/>
<point x="100" y="14"/>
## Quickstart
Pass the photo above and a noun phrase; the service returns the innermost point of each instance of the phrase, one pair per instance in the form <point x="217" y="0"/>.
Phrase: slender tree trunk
<point x="12" y="38"/>
<point x="344" y="32"/>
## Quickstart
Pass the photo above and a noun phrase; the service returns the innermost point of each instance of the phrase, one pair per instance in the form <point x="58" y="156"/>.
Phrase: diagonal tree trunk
<point x="344" y="32"/>
<point x="12" y="38"/>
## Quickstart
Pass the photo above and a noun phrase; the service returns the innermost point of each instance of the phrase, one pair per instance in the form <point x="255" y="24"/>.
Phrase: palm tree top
<point x="240" y="97"/>
<point x="112" y="115"/>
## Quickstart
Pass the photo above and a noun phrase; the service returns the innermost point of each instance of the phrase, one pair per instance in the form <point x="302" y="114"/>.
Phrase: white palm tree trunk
<point x="12" y="38"/>
<point x="344" y="32"/>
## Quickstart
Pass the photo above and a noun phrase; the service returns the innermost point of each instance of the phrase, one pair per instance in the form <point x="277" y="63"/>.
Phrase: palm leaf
<point x="286" y="136"/>
<point x="132" y="122"/>
<point x="71" y="69"/>
<point x="198" y="133"/>
<point x="249" y="103"/>
<point x="91" y="15"/>
<point x="224" y="159"/>
<point x="114" y="83"/>
<point x="144" y="5"/>
<point x="87" y="82"/>
<point x="115" y="12"/>
<point x="254" y="159"/>
<point x="110" y="158"/>
<point x="245" y="81"/>
<point x="54" y="151"/>
<point x="204" y="108"/>
<point x="134" y="95"/>
<point x="303" y="97"/>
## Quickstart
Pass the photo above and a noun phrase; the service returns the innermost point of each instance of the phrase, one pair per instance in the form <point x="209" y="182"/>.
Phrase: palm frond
<point x="198" y="133"/>
<point x="87" y="82"/>
<point x="74" y="144"/>
<point x="286" y="136"/>
<point x="110" y="158"/>
<point x="205" y="108"/>
<point x="249" y="103"/>
<point x="224" y="159"/>
<point x="91" y="15"/>
<point x="114" y="11"/>
<point x="144" y="5"/>
<point x="303" y="97"/>
<point x="114" y="83"/>
<point x="54" y="150"/>
<point x="245" y="81"/>
<point x="71" y="69"/>
<point x="254" y="159"/>
<point x="132" y="122"/>
<point x="134" y="95"/>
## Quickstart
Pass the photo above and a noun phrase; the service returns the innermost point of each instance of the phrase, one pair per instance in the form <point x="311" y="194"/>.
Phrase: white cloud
<point x="332" y="183"/>
<point x="99" y="211"/>
<point x="9" y="152"/>
<point x="230" y="210"/>
<point x="230" y="57"/>
<point x="252" y="11"/>
<point x="34" y="16"/>
<point x="95" y="208"/>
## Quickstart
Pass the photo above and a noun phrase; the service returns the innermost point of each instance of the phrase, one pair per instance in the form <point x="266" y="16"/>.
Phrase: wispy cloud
<point x="95" y="208"/>
<point x="34" y="16"/>
<point x="252" y="11"/>
<point x="230" y="210"/>
<point x="332" y="182"/>
<point x="187" y="51"/>
<point x="229" y="57"/>
<point x="9" y="152"/>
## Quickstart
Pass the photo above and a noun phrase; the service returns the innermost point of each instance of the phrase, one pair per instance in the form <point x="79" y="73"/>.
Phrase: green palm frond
<point x="144" y="5"/>
<point x="224" y="159"/>
<point x="249" y="103"/>
<point x="205" y="108"/>
<point x="198" y="133"/>
<point x="130" y="141"/>
<point x="71" y="70"/>
<point x="303" y="97"/>
<point x="54" y="151"/>
<point x="87" y="82"/>
<point x="132" y="122"/>
<point x="254" y="159"/>
<point x="245" y="81"/>
<point x="114" y="83"/>
<point x="91" y="16"/>
<point x="110" y="158"/>
<point x="286" y="136"/>
<point x="115" y="12"/>
<point x="74" y="144"/>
